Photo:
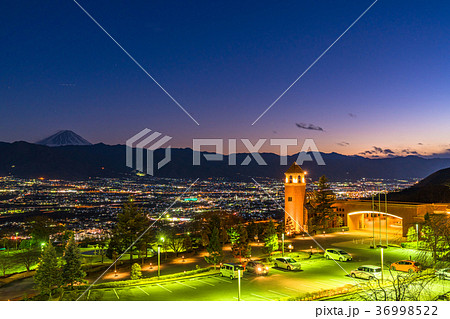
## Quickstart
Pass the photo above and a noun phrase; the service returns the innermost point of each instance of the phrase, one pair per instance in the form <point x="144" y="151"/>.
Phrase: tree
<point x="5" y="263"/>
<point x="412" y="234"/>
<point x="239" y="242"/>
<point x="289" y="227"/>
<point x="41" y="229"/>
<point x="187" y="243"/>
<point x="270" y="238"/>
<point x="322" y="214"/>
<point x="72" y="272"/>
<point x="214" y="248"/>
<point x="175" y="242"/>
<point x="28" y="257"/>
<point x="48" y="273"/>
<point x="136" y="272"/>
<point x="131" y="223"/>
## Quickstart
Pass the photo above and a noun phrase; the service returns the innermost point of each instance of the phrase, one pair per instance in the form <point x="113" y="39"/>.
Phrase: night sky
<point x="383" y="87"/>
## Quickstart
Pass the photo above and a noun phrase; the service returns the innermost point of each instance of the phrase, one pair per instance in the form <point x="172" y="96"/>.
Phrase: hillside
<point x="79" y="162"/>
<point x="432" y="189"/>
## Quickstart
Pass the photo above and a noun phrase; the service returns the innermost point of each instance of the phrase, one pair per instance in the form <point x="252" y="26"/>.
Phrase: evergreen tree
<point x="214" y="248"/>
<point x="72" y="272"/>
<point x="290" y="227"/>
<point x="48" y="273"/>
<point x="411" y="236"/>
<point x="270" y="238"/>
<point x="131" y="223"/>
<point x="323" y="215"/>
<point x="136" y="272"/>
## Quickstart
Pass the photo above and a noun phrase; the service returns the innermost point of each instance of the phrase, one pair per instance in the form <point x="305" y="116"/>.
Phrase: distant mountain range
<point x="433" y="189"/>
<point x="29" y="160"/>
<point x="64" y="138"/>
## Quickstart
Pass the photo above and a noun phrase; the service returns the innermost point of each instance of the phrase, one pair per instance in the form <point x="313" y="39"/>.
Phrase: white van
<point x="367" y="272"/>
<point x="230" y="270"/>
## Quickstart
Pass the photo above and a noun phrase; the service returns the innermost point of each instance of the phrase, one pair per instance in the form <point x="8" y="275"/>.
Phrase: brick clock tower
<point x="294" y="200"/>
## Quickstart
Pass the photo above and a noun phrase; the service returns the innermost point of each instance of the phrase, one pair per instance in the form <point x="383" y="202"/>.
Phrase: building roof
<point x="295" y="168"/>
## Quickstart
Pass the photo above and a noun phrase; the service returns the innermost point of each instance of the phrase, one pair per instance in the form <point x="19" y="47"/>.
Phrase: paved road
<point x="316" y="275"/>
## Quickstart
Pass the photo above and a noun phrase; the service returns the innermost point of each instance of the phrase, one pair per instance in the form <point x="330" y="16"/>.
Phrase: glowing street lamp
<point x="42" y="246"/>
<point x="159" y="260"/>
<point x="290" y="248"/>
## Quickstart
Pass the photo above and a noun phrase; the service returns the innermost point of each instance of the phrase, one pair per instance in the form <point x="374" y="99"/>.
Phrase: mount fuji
<point x="64" y="138"/>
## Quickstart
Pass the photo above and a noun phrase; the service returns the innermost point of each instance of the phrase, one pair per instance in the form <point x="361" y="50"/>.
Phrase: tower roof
<point x="295" y="168"/>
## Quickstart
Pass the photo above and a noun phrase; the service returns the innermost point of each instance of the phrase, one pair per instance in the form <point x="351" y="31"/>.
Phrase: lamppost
<point x="239" y="284"/>
<point x="282" y="244"/>
<point x="290" y="248"/>
<point x="42" y="246"/>
<point x="16" y="240"/>
<point x="159" y="260"/>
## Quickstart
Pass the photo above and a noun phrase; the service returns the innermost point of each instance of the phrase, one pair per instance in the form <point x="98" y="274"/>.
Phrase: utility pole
<point x="159" y="260"/>
<point x="282" y="244"/>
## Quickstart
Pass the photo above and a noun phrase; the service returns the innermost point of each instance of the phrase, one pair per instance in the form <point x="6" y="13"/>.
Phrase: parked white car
<point x="288" y="263"/>
<point x="337" y="254"/>
<point x="367" y="272"/>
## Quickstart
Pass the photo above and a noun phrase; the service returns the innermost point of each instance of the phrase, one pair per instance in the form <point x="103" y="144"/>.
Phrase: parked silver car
<point x="337" y="254"/>
<point x="288" y="263"/>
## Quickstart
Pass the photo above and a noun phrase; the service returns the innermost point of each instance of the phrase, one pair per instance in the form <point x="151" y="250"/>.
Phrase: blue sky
<point x="385" y="84"/>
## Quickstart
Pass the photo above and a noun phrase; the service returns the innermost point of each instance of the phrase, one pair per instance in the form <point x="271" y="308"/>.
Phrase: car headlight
<point x="267" y="268"/>
<point x="259" y="269"/>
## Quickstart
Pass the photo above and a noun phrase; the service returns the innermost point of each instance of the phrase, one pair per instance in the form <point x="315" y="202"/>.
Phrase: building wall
<point x="409" y="212"/>
<point x="294" y="207"/>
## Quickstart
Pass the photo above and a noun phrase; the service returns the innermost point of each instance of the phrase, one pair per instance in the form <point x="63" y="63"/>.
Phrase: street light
<point x="42" y="246"/>
<point x="239" y="284"/>
<point x="282" y="244"/>
<point x="16" y="240"/>
<point x="290" y="248"/>
<point x="159" y="260"/>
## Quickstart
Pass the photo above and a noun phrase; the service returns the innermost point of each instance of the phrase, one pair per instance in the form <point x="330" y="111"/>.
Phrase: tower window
<point x="290" y="178"/>
<point x="289" y="199"/>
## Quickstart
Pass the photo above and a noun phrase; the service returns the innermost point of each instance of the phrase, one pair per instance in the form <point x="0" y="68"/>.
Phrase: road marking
<point x="342" y="282"/>
<point x="179" y="282"/>
<point x="262" y="297"/>
<point x="116" y="293"/>
<point x="143" y="291"/>
<point x="278" y="293"/>
<point x="164" y="288"/>
<point x="296" y="290"/>
<point x="221" y="279"/>
<point x="205" y="282"/>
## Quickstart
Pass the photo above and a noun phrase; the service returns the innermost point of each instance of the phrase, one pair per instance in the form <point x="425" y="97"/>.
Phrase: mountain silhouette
<point x="64" y="138"/>
<point x="29" y="160"/>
